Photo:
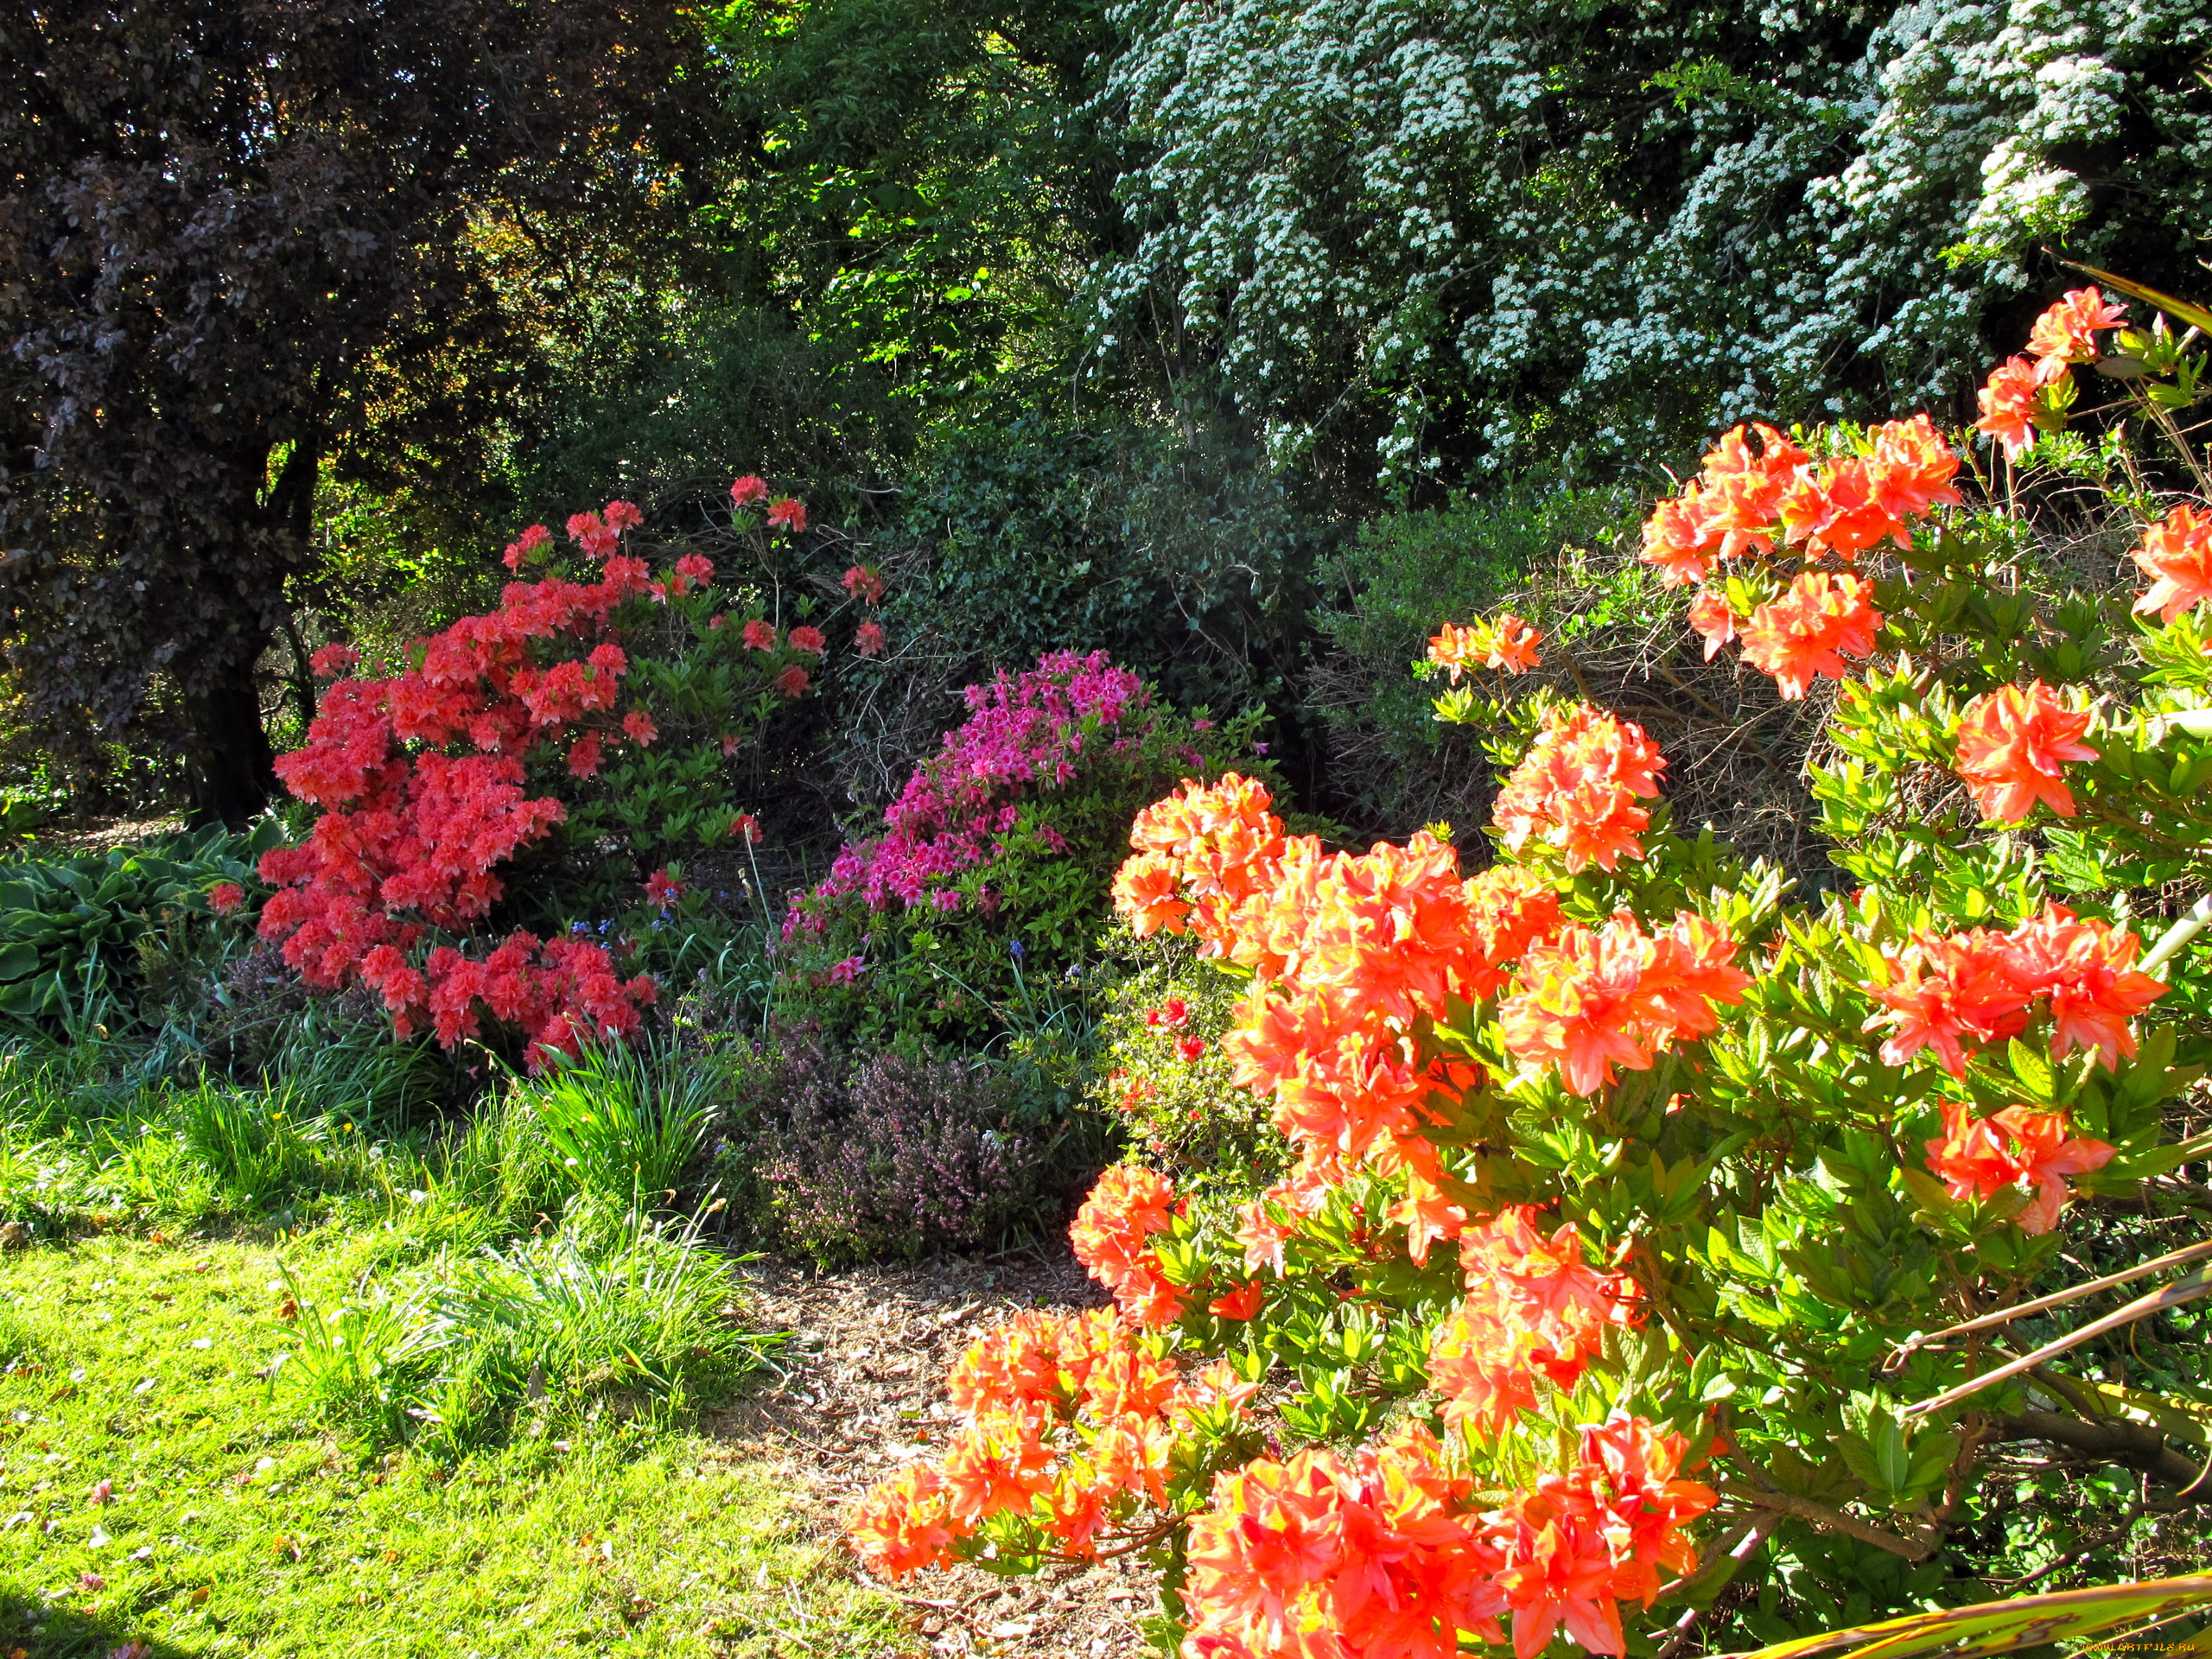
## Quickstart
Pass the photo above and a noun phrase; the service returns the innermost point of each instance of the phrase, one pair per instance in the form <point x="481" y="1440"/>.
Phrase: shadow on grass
<point x="39" y="1630"/>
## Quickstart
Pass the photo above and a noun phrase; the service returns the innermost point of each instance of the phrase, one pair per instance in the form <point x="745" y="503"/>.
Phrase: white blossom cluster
<point x="1477" y="236"/>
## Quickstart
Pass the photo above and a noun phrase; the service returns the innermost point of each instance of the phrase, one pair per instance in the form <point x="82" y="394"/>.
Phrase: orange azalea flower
<point x="2014" y="743"/>
<point x="1981" y="985"/>
<point x="1591" y="1001"/>
<point x="1732" y="509"/>
<point x="1426" y="1215"/>
<point x="1979" y="1157"/>
<point x="1146" y="890"/>
<point x="1512" y="645"/>
<point x="1375" y="1553"/>
<point x="1710" y="616"/>
<point x="1128" y="1205"/>
<point x="1217" y="840"/>
<point x="998" y="1463"/>
<point x="1857" y="502"/>
<point x="1807" y="633"/>
<point x="1012" y="1367"/>
<point x="1510" y="907"/>
<point x="1913" y="471"/>
<point x="905" y="1524"/>
<point x="2008" y="406"/>
<point x="1122" y="1381"/>
<point x="1586" y="1540"/>
<point x="1675" y="541"/>
<point x="2067" y="333"/>
<point x="1480" y="1362"/>
<point x="2087" y="969"/>
<point x="1508" y="645"/>
<point x="1942" y="990"/>
<point x="1578" y="787"/>
<point x="1575" y="1008"/>
<point x="2177" y="554"/>
<point x="1456" y="648"/>
<point x="1243" y="1303"/>
<point x="1261" y="1235"/>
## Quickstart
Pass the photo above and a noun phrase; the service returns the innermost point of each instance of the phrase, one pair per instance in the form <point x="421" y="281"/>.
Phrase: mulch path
<point x="862" y="1371"/>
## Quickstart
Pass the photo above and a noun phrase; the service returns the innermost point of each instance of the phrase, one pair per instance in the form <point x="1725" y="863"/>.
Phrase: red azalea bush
<point x="1631" y="1196"/>
<point x="986" y="882"/>
<point x="499" y="730"/>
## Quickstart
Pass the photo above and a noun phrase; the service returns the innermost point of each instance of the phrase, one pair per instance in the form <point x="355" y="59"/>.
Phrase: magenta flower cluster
<point x="1022" y="731"/>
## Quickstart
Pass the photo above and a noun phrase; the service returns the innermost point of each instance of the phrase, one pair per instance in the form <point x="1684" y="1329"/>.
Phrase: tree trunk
<point x="233" y="769"/>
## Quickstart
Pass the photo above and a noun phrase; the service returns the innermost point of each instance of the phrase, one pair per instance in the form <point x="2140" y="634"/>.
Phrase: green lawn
<point x="235" y="1524"/>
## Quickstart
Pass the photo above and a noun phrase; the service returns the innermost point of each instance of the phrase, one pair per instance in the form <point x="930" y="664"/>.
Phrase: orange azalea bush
<point x="1625" y="1180"/>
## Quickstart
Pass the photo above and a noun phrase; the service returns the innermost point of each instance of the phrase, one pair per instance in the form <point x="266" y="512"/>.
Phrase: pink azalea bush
<point x="983" y="881"/>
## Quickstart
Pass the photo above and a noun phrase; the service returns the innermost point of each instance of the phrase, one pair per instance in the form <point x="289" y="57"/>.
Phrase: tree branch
<point x="1912" y="1549"/>
<point x="2133" y="1445"/>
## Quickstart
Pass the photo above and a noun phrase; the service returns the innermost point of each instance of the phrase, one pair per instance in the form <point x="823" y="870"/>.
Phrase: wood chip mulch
<point x="860" y="1380"/>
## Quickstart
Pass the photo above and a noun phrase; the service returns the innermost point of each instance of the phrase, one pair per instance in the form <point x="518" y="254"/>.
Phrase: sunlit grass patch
<point x="157" y="1484"/>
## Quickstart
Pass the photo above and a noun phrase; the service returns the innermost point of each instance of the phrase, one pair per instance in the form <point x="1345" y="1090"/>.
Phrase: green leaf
<point x="2033" y="1072"/>
<point x="1992" y="1628"/>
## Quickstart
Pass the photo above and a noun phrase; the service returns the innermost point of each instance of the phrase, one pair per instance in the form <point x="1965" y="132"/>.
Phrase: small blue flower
<point x="1016" y="949"/>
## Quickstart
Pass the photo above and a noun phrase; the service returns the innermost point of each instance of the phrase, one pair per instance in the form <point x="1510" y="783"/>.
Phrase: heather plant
<point x="845" y="1159"/>
<point x="1672" y="1260"/>
<point x="985" y="881"/>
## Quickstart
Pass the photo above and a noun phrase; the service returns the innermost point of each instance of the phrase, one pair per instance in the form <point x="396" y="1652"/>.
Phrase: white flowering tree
<point x="1473" y="237"/>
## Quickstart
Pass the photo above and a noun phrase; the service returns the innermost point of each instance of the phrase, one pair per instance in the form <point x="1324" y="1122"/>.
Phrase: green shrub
<point x="1162" y="1074"/>
<point x="1391" y="767"/>
<point x="1181" y="554"/>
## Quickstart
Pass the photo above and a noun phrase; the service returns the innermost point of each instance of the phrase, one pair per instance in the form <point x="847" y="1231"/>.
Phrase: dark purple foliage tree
<point x="242" y="241"/>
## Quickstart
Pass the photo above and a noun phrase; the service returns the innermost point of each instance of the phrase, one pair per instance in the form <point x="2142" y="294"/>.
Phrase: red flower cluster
<point x="1578" y="790"/>
<point x="421" y="778"/>
<point x="558" y="992"/>
<point x="225" y="898"/>
<point x="2013" y="746"/>
<point x="1981" y="1156"/>
<point x="2025" y="396"/>
<point x="1069" y="1421"/>
<point x="1588" y="1002"/>
<point x="1748" y="502"/>
<point x="1382" y="1554"/>
<point x="1982" y="986"/>
<point x="1129" y="1205"/>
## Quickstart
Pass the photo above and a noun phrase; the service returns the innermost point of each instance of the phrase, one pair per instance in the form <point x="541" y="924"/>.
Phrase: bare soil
<point x="859" y="1390"/>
